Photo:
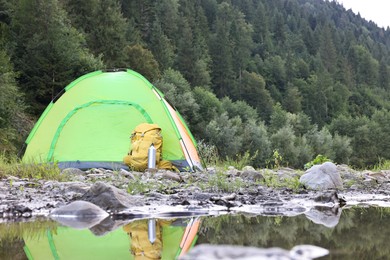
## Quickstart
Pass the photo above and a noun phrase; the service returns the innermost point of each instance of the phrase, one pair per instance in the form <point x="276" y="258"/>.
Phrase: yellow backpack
<point x="143" y="136"/>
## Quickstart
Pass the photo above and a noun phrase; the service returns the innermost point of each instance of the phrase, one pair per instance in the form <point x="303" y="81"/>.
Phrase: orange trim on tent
<point x="189" y="149"/>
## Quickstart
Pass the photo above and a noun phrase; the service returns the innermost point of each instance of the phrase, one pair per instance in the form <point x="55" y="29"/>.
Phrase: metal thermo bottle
<point x="152" y="157"/>
<point x="152" y="230"/>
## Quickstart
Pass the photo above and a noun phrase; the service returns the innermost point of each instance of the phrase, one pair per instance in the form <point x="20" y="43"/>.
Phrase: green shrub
<point x="318" y="160"/>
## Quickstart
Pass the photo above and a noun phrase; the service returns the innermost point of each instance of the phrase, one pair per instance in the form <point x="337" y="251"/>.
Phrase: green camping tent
<point x="89" y="125"/>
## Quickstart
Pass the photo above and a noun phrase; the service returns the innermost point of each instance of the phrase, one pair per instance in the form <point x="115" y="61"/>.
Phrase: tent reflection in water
<point x="175" y="237"/>
<point x="89" y="125"/>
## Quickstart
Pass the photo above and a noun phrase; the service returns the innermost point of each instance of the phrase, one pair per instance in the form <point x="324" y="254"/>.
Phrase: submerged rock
<point x="324" y="176"/>
<point x="217" y="252"/>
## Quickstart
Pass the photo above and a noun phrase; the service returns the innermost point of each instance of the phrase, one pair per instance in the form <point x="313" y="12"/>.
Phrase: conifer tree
<point x="49" y="52"/>
<point x="106" y="30"/>
<point x="221" y="52"/>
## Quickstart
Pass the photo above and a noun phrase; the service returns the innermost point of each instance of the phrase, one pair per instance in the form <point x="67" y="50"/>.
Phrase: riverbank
<point x="265" y="191"/>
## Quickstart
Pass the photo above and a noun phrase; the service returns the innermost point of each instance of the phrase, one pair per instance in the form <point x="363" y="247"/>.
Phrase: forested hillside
<point x="273" y="78"/>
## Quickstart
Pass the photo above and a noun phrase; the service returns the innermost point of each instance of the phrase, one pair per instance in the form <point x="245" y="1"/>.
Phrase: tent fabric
<point x="89" y="126"/>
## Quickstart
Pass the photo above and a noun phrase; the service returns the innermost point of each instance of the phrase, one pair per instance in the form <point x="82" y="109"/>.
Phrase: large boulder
<point x="324" y="176"/>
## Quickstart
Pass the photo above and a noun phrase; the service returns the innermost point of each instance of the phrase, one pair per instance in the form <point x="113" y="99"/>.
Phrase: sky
<point x="377" y="11"/>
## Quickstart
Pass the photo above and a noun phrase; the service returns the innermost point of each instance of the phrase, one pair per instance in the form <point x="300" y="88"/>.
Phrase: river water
<point x="355" y="233"/>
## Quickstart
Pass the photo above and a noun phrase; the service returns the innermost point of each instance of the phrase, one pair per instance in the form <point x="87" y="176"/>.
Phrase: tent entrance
<point x="93" y="132"/>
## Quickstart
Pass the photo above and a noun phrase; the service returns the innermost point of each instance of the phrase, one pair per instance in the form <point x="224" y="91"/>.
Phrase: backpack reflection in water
<point x="140" y="246"/>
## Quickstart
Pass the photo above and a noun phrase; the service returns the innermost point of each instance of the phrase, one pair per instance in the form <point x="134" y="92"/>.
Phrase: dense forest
<point x="285" y="78"/>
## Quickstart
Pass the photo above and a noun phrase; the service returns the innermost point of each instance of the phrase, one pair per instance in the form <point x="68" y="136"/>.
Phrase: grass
<point x="272" y="180"/>
<point x="240" y="160"/>
<point x="14" y="167"/>
<point x="220" y="182"/>
<point x="382" y="165"/>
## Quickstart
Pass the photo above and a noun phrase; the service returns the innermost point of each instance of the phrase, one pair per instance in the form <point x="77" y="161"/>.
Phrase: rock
<point x="79" y="214"/>
<point x="248" y="168"/>
<point x="79" y="209"/>
<point x="75" y="188"/>
<point x="168" y="175"/>
<point x="73" y="171"/>
<point x="252" y="175"/>
<point x="347" y="173"/>
<point x="211" y="170"/>
<point x="354" y="187"/>
<point x="12" y="178"/>
<point x="111" y="198"/>
<point x="286" y="174"/>
<point x="232" y="172"/>
<point x="324" y="176"/>
<point x="216" y="252"/>
<point x="127" y="174"/>
<point x="377" y="176"/>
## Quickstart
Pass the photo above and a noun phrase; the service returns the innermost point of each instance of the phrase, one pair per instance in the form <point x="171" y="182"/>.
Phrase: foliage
<point x="178" y="92"/>
<point x="283" y="142"/>
<point x="142" y="61"/>
<point x="256" y="140"/>
<point x="223" y="132"/>
<point x="209" y="108"/>
<point x="318" y="160"/>
<point x="208" y="153"/>
<point x="11" y="109"/>
<point x="277" y="159"/>
<point x="240" y="160"/>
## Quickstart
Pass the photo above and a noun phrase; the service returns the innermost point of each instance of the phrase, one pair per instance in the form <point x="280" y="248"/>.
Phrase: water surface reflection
<point x="355" y="233"/>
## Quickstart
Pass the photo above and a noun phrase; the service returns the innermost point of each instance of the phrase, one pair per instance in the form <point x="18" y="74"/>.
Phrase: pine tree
<point x="221" y="52"/>
<point x="108" y="35"/>
<point x="49" y="52"/>
<point x="162" y="47"/>
<point x="192" y="49"/>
